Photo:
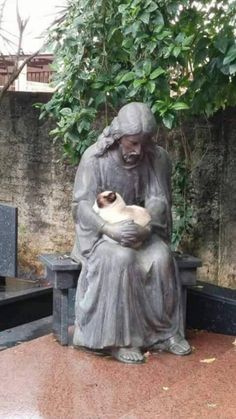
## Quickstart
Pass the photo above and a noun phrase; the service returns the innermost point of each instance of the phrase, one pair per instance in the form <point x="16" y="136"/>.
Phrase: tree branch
<point x="15" y="73"/>
<point x="17" y="69"/>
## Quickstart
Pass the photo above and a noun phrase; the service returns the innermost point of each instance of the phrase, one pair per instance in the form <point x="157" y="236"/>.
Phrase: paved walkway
<point x="42" y="380"/>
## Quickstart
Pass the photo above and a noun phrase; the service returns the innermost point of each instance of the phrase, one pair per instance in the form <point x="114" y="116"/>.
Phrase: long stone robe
<point x="125" y="297"/>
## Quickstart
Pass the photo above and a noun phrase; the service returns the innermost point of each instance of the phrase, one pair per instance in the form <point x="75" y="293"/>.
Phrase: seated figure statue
<point x="128" y="299"/>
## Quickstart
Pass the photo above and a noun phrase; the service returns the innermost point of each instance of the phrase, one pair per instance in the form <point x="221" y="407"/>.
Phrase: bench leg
<point x="60" y="315"/>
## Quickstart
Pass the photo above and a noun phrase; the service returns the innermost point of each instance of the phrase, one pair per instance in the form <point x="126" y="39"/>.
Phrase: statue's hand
<point x="138" y="235"/>
<point x="122" y="232"/>
<point x="126" y="233"/>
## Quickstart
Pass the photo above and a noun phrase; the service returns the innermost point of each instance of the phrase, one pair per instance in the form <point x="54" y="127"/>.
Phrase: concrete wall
<point x="211" y="150"/>
<point x="33" y="179"/>
<point x="227" y="202"/>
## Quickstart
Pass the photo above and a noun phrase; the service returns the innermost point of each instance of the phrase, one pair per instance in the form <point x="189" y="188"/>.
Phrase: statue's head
<point x="134" y="118"/>
<point x="132" y="128"/>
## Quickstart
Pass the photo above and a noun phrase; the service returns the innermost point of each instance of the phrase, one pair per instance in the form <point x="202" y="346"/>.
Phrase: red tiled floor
<point x="41" y="379"/>
<point x="210" y="392"/>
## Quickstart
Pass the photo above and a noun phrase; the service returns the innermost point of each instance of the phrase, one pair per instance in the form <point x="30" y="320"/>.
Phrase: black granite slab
<point x="8" y="241"/>
<point x="185" y="261"/>
<point x="24" y="301"/>
<point x="211" y="308"/>
<point x="16" y="289"/>
<point x="25" y="332"/>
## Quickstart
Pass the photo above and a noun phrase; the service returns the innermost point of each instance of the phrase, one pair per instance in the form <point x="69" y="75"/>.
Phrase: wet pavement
<point x="41" y="379"/>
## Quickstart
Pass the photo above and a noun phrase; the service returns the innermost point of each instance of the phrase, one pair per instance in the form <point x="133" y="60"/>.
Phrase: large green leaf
<point x="145" y="17"/>
<point x="230" y="56"/>
<point x="159" y="20"/>
<point x="151" y="7"/>
<point x="221" y="43"/>
<point x="147" y="66"/>
<point x="127" y="77"/>
<point x="151" y="86"/>
<point x="66" y="111"/>
<point x="176" y="51"/>
<point x="179" y="106"/>
<point x="156" y="73"/>
<point x="138" y="82"/>
<point x="168" y="120"/>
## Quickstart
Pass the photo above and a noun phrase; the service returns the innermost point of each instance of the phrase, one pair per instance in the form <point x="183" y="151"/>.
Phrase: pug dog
<point x="112" y="208"/>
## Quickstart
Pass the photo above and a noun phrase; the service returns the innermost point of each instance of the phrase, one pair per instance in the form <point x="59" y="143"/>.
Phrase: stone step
<point x="23" y="301"/>
<point x="211" y="308"/>
<point x="25" y="332"/>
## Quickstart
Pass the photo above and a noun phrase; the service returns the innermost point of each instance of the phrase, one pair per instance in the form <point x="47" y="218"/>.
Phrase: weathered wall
<point x="227" y="202"/>
<point x="33" y="179"/>
<point x="212" y="152"/>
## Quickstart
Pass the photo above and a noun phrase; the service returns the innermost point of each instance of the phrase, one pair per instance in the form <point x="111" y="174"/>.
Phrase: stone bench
<point x="63" y="273"/>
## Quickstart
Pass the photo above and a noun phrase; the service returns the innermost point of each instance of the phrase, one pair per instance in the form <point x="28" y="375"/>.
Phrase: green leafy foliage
<point x="177" y="56"/>
<point x="182" y="208"/>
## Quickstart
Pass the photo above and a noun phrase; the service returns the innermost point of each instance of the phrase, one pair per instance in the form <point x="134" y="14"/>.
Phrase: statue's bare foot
<point x="128" y="355"/>
<point x="175" y="345"/>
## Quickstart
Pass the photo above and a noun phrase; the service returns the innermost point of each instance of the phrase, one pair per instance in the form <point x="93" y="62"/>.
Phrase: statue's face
<point x="131" y="147"/>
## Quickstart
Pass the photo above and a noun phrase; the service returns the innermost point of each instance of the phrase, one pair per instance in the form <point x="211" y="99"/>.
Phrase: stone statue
<point x="128" y="299"/>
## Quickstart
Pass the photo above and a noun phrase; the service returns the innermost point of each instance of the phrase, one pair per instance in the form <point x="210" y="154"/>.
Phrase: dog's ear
<point x="111" y="197"/>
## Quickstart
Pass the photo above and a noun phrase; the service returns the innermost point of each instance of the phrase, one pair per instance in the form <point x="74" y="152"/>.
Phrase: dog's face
<point x="104" y="199"/>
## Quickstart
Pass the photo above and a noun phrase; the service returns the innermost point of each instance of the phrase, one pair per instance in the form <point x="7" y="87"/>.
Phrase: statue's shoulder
<point x="90" y="152"/>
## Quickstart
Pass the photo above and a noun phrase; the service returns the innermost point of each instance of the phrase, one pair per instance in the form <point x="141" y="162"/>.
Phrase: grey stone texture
<point x="8" y="241"/>
<point x="33" y="179"/>
<point x="62" y="273"/>
<point x="212" y="154"/>
<point x="215" y="200"/>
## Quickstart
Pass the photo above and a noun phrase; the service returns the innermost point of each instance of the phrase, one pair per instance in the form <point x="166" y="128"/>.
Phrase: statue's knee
<point x="125" y="255"/>
<point x="164" y="255"/>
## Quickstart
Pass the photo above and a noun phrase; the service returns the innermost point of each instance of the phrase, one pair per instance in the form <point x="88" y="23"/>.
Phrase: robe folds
<point x="125" y="297"/>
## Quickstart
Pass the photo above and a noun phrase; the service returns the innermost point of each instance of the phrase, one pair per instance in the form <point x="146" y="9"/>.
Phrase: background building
<point x="35" y="76"/>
